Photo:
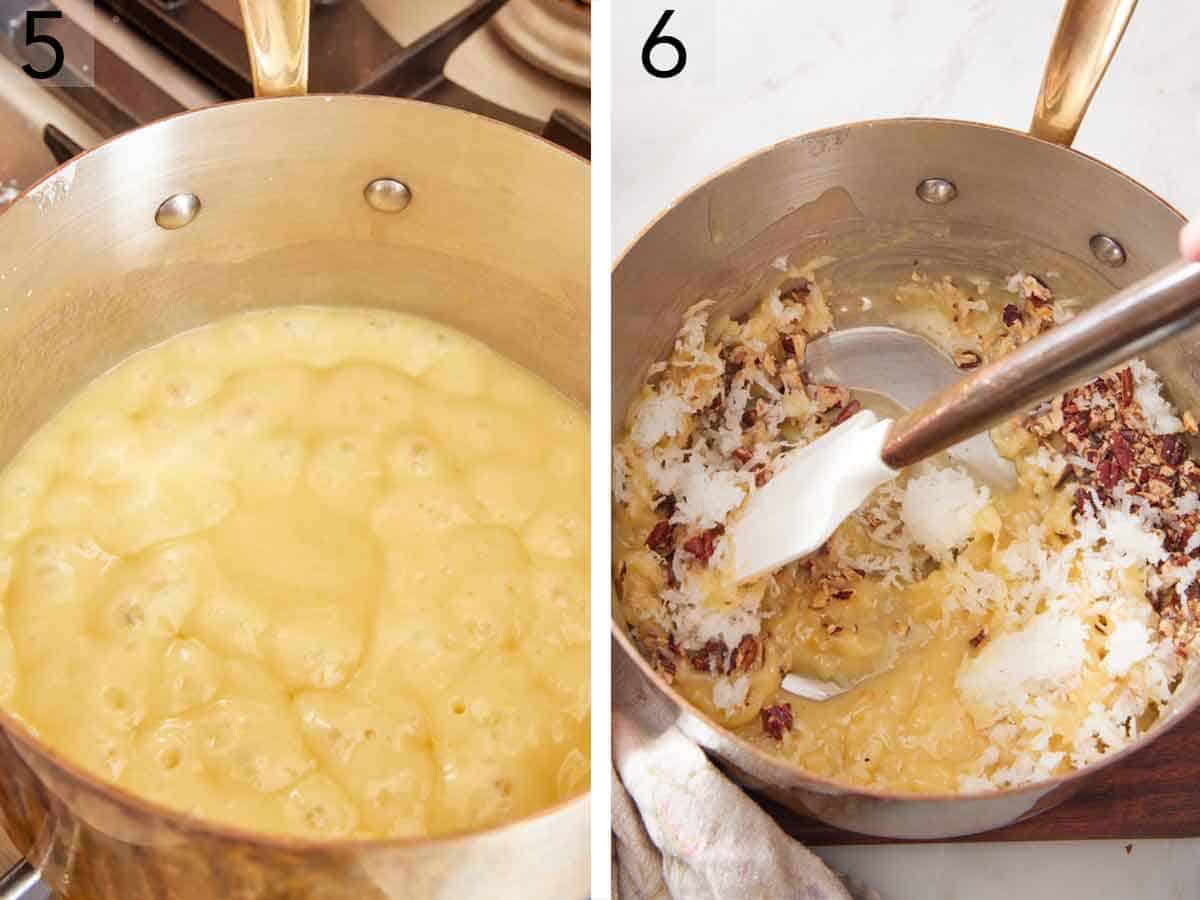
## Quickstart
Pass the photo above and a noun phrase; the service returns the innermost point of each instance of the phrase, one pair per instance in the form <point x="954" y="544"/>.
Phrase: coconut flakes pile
<point x="703" y="434"/>
<point x="1106" y="617"/>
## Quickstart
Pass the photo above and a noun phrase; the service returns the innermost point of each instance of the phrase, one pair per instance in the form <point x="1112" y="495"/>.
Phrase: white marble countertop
<point x="761" y="72"/>
<point x="764" y="71"/>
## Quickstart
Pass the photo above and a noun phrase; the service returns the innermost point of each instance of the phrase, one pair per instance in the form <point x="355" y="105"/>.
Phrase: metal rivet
<point x="388" y="195"/>
<point x="177" y="210"/>
<point x="1107" y="250"/>
<point x="937" y="191"/>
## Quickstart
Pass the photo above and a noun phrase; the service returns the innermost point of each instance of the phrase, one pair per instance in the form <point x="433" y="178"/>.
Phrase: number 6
<point x="656" y="38"/>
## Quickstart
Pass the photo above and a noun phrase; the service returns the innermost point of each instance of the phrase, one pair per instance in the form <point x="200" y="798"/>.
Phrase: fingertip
<point x="1189" y="241"/>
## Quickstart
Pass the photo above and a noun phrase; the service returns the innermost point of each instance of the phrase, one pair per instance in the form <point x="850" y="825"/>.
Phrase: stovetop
<point x="146" y="59"/>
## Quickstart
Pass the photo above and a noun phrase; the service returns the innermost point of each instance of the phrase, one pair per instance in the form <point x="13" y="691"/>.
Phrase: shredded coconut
<point x="704" y="496"/>
<point x="659" y="416"/>
<point x="939" y="510"/>
<point x="1013" y="283"/>
<point x="901" y="561"/>
<point x="730" y="696"/>
<point x="697" y="622"/>
<point x="1147" y="392"/>
<point x="1046" y="653"/>
<point x="1129" y="643"/>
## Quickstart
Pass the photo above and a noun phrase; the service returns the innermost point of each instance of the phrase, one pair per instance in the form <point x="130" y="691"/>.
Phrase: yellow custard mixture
<point x="988" y="637"/>
<point x="308" y="570"/>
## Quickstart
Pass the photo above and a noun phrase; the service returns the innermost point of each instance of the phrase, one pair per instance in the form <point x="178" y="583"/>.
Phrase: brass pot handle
<point x="1087" y="37"/>
<point x="277" y="37"/>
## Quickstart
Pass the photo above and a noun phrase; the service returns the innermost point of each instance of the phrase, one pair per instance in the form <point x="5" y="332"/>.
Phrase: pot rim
<point x="15" y="729"/>
<point x="342" y="99"/>
<point x="770" y="761"/>
<point x="745" y="158"/>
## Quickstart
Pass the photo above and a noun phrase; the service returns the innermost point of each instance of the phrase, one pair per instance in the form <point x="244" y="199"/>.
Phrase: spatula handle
<point x="1144" y="314"/>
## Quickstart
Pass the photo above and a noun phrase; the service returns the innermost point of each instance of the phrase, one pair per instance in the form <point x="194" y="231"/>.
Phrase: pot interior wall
<point x="90" y="329"/>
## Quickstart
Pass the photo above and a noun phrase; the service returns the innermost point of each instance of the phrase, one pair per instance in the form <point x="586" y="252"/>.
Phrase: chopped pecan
<point x="1122" y="452"/>
<point x="843" y="594"/>
<point x="1126" y="376"/>
<point x="665" y="666"/>
<point x="665" y="505"/>
<point x="1159" y="489"/>
<point x="1037" y="291"/>
<point x="795" y="291"/>
<point x="979" y="638"/>
<point x="1177" y="541"/>
<point x="742" y="455"/>
<point x="1107" y="473"/>
<point x="1082" y="502"/>
<point x="847" y="411"/>
<point x="731" y="369"/>
<point x="659" y="539"/>
<point x="1012" y="315"/>
<point x="967" y="359"/>
<point x="761" y="477"/>
<point x="745" y="657"/>
<point x="709" y="658"/>
<point x="793" y="345"/>
<point x="749" y="417"/>
<point x="1173" y="449"/>
<point x="669" y="565"/>
<point x="1049" y="420"/>
<point x="777" y="719"/>
<point x="829" y="396"/>
<point x="703" y="544"/>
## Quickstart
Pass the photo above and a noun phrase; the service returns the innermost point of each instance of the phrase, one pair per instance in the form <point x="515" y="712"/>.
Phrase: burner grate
<point x="206" y="36"/>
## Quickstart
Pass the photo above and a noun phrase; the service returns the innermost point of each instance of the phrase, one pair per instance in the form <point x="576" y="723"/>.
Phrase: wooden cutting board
<point x="1155" y="793"/>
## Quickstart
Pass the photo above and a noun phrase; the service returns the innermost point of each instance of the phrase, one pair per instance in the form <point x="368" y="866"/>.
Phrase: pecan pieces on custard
<point x="777" y="719"/>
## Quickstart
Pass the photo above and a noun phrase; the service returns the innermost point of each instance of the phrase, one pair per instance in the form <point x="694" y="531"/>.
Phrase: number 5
<point x="656" y="38"/>
<point x="32" y="37"/>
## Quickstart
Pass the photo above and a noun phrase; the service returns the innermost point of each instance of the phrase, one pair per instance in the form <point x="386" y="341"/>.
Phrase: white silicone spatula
<point x="817" y="486"/>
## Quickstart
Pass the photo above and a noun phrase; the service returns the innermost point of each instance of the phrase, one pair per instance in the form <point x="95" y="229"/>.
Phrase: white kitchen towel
<point x="685" y="832"/>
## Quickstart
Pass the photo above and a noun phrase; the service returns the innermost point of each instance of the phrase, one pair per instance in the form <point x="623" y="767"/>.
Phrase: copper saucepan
<point x="877" y="195"/>
<point x="364" y="201"/>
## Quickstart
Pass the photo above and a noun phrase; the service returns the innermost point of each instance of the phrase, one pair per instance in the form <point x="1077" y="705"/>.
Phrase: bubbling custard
<point x="308" y="570"/>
